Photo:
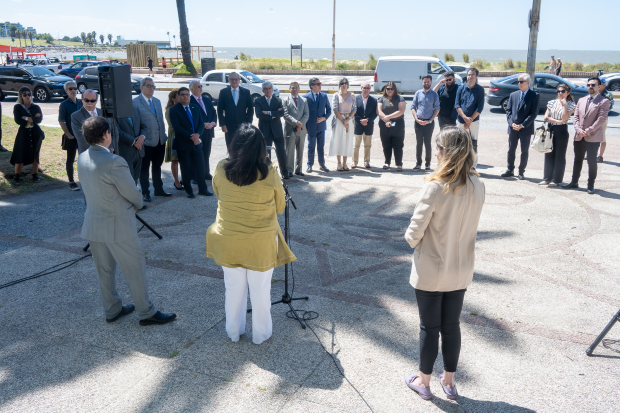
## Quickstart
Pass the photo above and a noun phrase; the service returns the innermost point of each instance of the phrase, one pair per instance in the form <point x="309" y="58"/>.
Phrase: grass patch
<point x="51" y="169"/>
<point x="473" y="313"/>
<point x="326" y="244"/>
<point x="261" y="388"/>
<point x="174" y="354"/>
<point x="249" y="63"/>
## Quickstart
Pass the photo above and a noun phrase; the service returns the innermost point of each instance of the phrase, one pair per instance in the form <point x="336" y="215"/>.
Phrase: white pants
<point x="474" y="128"/>
<point x="237" y="281"/>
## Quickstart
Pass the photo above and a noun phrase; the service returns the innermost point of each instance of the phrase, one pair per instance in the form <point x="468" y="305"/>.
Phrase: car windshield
<point x="251" y="77"/>
<point x="39" y="72"/>
<point x="445" y="67"/>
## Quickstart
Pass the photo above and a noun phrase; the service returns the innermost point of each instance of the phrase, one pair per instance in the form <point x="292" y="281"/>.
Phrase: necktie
<point x="201" y="103"/>
<point x="588" y="104"/>
<point x="190" y="117"/>
<point x="130" y="121"/>
<point x="522" y="97"/>
<point x="316" y="97"/>
<point x="152" y="107"/>
<point x="295" y="101"/>
<point x="269" y="102"/>
<point x="235" y="96"/>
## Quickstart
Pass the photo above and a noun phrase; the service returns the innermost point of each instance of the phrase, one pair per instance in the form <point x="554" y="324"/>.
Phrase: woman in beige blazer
<point x="443" y="234"/>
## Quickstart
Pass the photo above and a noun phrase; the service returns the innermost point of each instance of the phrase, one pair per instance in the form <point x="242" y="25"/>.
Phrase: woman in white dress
<point x="343" y="140"/>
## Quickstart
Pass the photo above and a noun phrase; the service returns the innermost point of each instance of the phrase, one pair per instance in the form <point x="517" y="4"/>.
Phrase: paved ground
<point x="547" y="281"/>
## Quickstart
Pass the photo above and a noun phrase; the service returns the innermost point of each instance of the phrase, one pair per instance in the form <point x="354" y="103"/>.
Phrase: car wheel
<point x="41" y="94"/>
<point x="504" y="104"/>
<point x="82" y="87"/>
<point x="207" y="95"/>
<point x="615" y="86"/>
<point x="254" y="96"/>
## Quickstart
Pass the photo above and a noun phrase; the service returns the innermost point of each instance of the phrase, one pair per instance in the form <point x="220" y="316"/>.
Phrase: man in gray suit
<point x="110" y="225"/>
<point x="295" y="117"/>
<point x="149" y="118"/>
<point x="130" y="145"/>
<point x="89" y="99"/>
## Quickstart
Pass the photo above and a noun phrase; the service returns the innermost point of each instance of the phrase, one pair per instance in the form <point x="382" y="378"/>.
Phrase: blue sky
<point x="472" y="24"/>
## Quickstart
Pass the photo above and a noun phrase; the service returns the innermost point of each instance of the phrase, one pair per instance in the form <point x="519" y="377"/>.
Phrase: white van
<point x="407" y="72"/>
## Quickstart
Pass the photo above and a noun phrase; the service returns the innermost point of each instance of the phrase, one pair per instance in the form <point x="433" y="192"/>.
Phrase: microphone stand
<point x="601" y="336"/>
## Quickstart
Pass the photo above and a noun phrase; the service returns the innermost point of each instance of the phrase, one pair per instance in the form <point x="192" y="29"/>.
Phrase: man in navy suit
<point x="234" y="107"/>
<point x="209" y="117"/>
<point x="320" y="110"/>
<point x="269" y="112"/>
<point x="131" y="145"/>
<point x="521" y="111"/>
<point x="188" y="126"/>
<point x="365" y="116"/>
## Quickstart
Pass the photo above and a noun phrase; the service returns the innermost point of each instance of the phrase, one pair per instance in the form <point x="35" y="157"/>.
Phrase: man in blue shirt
<point x="69" y="143"/>
<point x="425" y="107"/>
<point x="469" y="104"/>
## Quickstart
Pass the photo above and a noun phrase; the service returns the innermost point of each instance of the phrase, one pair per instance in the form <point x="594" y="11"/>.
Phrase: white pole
<point x="533" y="43"/>
<point x="334" y="40"/>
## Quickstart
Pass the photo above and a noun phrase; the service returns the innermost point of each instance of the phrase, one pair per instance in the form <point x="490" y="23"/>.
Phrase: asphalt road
<point x="492" y="118"/>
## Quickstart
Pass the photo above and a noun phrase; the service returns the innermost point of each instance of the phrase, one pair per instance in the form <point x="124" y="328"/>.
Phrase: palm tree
<point x="19" y="37"/>
<point x="102" y="38"/>
<point x="13" y="30"/>
<point x="94" y="36"/>
<point x="168" y="33"/>
<point x="83" y="37"/>
<point x="110" y="39"/>
<point x="184" y="35"/>
<point x="174" y="36"/>
<point x="30" y="35"/>
<point x="25" y="36"/>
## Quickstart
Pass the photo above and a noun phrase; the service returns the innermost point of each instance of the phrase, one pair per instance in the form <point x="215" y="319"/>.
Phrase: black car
<point x="44" y="83"/>
<point x="544" y="84"/>
<point x="88" y="78"/>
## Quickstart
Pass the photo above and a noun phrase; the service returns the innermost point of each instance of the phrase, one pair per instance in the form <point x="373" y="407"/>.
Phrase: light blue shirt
<point x="425" y="104"/>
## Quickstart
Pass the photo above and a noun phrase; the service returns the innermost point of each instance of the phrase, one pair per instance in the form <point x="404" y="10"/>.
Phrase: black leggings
<point x="440" y="312"/>
<point x="555" y="161"/>
<point x="393" y="138"/>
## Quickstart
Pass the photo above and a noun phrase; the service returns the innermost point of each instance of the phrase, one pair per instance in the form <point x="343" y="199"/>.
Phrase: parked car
<point x="544" y="84"/>
<point x="88" y="78"/>
<point x="613" y="81"/>
<point x="43" y="83"/>
<point x="215" y="80"/>
<point x="77" y="67"/>
<point x="51" y="63"/>
<point x="407" y="72"/>
<point x="460" y="70"/>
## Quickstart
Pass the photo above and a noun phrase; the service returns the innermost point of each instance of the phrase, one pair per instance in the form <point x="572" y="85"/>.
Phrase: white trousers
<point x="237" y="281"/>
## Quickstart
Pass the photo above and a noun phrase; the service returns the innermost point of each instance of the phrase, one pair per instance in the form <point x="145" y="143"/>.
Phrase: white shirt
<point x="107" y="149"/>
<point x="365" y="99"/>
<point x="93" y="113"/>
<point x="147" y="100"/>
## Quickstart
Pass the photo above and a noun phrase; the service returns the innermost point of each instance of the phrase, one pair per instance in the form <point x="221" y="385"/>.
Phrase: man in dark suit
<point x="234" y="107"/>
<point x="130" y="145"/>
<point x="209" y="117"/>
<point x="365" y="116"/>
<point x="269" y="112"/>
<point x="319" y="110"/>
<point x="88" y="110"/>
<point x="188" y="126"/>
<point x="521" y="111"/>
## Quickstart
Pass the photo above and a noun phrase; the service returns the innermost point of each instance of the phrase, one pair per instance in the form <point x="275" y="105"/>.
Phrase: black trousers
<point x="192" y="160"/>
<point x="440" y="312"/>
<point x="393" y="139"/>
<point x="581" y="148"/>
<point x="152" y="155"/>
<point x="278" y="142"/>
<point x="71" y="152"/>
<point x="513" y="140"/>
<point x="206" y="154"/>
<point x="446" y="121"/>
<point x="555" y="161"/>
<point x="228" y="136"/>
<point x="423" y="136"/>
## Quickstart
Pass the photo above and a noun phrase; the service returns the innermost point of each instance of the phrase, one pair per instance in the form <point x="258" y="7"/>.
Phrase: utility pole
<point x="334" y="40"/>
<point x="533" y="22"/>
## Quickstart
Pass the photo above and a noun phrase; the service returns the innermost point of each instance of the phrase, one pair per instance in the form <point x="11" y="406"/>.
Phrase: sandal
<point x="339" y="168"/>
<point x="345" y="167"/>
<point x="353" y="166"/>
<point x="386" y="166"/>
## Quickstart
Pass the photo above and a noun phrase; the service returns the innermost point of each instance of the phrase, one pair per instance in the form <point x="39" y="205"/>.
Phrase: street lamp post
<point x="334" y="40"/>
<point x="534" y="20"/>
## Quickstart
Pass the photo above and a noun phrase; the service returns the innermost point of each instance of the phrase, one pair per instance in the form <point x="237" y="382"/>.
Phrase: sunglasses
<point x="389" y="88"/>
<point x="449" y="79"/>
<point x="343" y="83"/>
<point x="151" y="86"/>
<point x="365" y="88"/>
<point x="562" y="91"/>
<point x="26" y="94"/>
<point x="183" y="95"/>
<point x="198" y="86"/>
<point x="89" y="100"/>
<point x="522" y="81"/>
<point x="317" y="84"/>
<point x="592" y="85"/>
<point x="71" y="88"/>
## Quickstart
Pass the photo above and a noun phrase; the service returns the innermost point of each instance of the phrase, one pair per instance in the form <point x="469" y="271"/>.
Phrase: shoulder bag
<point x="542" y="141"/>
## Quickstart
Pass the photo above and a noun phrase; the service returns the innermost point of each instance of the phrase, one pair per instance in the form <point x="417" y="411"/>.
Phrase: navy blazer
<point x="269" y="125"/>
<point x="370" y="114"/>
<point x="524" y="114"/>
<point x="127" y="134"/>
<point x="210" y="116"/>
<point x="183" y="127"/>
<point x="320" y="109"/>
<point x="230" y="115"/>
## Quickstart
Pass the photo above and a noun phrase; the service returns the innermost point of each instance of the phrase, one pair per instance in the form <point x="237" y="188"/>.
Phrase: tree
<point x="75" y="39"/>
<point x="25" y="36"/>
<point x="83" y="38"/>
<point x="109" y="38"/>
<point x="19" y="37"/>
<point x="174" y="36"/>
<point x="93" y="36"/>
<point x="30" y="36"/>
<point x="101" y="38"/>
<point x="66" y="39"/>
<point x="13" y="30"/>
<point x="184" y="35"/>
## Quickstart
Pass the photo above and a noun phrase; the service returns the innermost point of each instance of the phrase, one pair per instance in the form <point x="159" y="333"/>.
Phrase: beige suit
<point x="295" y="140"/>
<point x="443" y="232"/>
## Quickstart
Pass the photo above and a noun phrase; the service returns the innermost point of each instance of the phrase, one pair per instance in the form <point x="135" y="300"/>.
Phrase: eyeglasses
<point x="198" y="86"/>
<point x="71" y="88"/>
<point x="389" y="88"/>
<point x="366" y="88"/>
<point x="522" y="81"/>
<point x="26" y="94"/>
<point x="89" y="100"/>
<point x="317" y="84"/>
<point x="151" y="86"/>
<point x="183" y="94"/>
<point x="592" y="85"/>
<point x="233" y="79"/>
<point x="562" y="91"/>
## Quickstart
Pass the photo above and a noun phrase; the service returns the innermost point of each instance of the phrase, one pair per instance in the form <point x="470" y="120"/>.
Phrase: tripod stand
<point x="286" y="297"/>
<point x="601" y="336"/>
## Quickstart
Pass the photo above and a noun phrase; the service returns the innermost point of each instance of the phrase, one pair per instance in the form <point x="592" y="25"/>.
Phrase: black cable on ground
<point x="48" y="271"/>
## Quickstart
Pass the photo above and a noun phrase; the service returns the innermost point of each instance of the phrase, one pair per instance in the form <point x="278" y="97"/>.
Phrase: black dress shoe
<point x="520" y="177"/>
<point x="191" y="196"/>
<point x="299" y="173"/>
<point x="178" y="188"/>
<point x="3" y="149"/>
<point x="209" y="177"/>
<point x="570" y="185"/>
<point x="591" y="190"/>
<point x="158" y="318"/>
<point x="323" y="168"/>
<point x="161" y="193"/>
<point x="143" y="208"/>
<point x="127" y="309"/>
<point x="146" y="197"/>
<point x="507" y="174"/>
<point x="417" y="167"/>
<point x="208" y="193"/>
<point x="309" y="169"/>
<point x="286" y="176"/>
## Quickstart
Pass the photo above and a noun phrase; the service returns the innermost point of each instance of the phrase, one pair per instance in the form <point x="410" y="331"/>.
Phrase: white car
<point x="51" y="63"/>
<point x="215" y="80"/>
<point x="407" y="72"/>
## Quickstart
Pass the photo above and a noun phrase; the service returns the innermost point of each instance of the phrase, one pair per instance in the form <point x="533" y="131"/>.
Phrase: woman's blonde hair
<point x="458" y="159"/>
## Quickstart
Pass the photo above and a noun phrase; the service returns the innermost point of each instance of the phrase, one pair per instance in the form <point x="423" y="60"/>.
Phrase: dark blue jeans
<point x="316" y="141"/>
<point x="513" y="140"/>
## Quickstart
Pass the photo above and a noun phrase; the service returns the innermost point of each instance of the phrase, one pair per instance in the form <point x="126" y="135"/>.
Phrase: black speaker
<point x="115" y="89"/>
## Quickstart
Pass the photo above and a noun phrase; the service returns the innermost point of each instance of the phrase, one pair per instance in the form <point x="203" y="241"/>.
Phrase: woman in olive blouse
<point x="245" y="238"/>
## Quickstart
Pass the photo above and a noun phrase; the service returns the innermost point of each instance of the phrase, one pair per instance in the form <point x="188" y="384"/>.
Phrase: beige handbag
<point x="542" y="141"/>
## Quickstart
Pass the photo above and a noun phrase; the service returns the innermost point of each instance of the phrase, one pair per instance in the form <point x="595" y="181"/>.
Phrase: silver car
<point x="215" y="80"/>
